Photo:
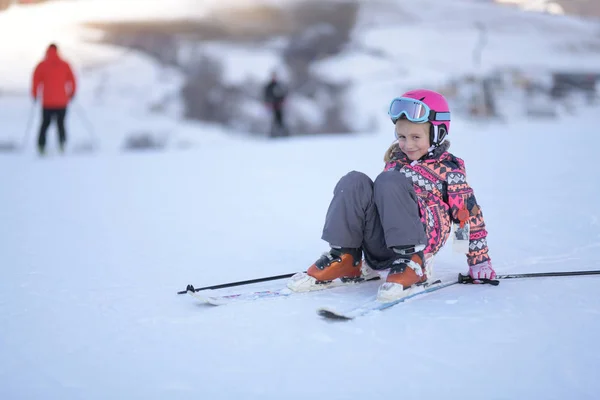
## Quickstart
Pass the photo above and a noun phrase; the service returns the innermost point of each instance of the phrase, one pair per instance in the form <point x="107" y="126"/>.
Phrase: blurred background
<point x="339" y="63"/>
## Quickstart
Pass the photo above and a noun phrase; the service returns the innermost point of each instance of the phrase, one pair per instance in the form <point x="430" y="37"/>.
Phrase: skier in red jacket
<point x="54" y="77"/>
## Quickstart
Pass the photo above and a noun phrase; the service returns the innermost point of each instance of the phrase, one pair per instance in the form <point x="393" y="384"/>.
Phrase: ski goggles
<point x="415" y="111"/>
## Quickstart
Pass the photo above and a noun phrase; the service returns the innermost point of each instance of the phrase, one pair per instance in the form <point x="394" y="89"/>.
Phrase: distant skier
<point x="402" y="220"/>
<point x="55" y="78"/>
<point x="274" y="97"/>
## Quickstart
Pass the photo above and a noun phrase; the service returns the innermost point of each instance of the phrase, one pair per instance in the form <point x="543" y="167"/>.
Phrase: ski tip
<point x="330" y="314"/>
<point x="213" y="301"/>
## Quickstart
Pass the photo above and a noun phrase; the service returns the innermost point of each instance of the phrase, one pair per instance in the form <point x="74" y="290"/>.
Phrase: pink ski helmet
<point x="438" y="104"/>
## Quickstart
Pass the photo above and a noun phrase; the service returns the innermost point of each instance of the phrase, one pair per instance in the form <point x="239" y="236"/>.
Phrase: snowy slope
<point x="93" y="248"/>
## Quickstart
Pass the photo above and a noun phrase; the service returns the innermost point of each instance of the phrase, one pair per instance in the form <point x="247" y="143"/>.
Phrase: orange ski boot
<point x="339" y="263"/>
<point x="408" y="270"/>
<point x="343" y="263"/>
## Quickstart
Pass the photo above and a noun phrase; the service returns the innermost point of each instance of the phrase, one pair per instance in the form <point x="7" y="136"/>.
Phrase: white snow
<point x="94" y="247"/>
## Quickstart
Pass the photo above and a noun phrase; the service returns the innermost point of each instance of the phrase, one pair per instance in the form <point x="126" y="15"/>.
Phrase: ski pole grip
<point x="467" y="279"/>
<point x="464" y="279"/>
<point x="492" y="282"/>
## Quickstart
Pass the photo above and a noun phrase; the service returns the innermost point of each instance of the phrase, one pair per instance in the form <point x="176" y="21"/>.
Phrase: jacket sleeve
<point x="36" y="80"/>
<point x="460" y="197"/>
<point x="71" y="80"/>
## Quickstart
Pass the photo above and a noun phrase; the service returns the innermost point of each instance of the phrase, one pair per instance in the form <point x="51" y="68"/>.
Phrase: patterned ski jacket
<point x="442" y="190"/>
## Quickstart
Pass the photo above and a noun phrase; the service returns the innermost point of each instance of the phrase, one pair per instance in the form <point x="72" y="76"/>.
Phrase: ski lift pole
<point x="482" y="41"/>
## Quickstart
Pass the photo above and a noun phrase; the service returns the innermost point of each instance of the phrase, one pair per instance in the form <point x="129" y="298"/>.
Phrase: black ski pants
<point x="49" y="114"/>
<point x="278" y="127"/>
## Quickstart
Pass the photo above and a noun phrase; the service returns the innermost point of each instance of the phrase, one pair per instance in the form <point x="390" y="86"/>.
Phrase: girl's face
<point x="413" y="138"/>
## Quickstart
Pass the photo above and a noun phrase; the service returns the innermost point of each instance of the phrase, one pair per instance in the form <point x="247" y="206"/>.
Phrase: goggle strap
<point x="439" y="116"/>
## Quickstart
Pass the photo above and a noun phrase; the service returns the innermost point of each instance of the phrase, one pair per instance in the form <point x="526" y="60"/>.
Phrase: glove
<point x="482" y="270"/>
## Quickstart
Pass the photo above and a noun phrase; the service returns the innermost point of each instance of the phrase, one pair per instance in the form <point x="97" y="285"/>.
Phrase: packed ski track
<point x="95" y="245"/>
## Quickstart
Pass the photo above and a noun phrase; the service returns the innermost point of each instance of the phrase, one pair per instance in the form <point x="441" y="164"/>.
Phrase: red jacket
<point x="55" y="77"/>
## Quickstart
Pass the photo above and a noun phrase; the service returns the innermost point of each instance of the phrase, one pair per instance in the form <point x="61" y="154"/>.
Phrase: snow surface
<point x="94" y="247"/>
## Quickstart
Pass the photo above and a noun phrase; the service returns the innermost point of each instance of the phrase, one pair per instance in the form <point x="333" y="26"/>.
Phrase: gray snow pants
<point x="374" y="215"/>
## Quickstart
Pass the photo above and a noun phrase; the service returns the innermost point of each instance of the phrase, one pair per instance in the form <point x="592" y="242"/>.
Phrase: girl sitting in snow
<point x="403" y="218"/>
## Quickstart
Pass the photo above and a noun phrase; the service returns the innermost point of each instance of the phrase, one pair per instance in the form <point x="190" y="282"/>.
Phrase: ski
<point x="220" y="300"/>
<point x="374" y="305"/>
<point x="206" y="296"/>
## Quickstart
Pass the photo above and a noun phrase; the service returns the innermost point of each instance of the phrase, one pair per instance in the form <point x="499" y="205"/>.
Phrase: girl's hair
<point x="394" y="147"/>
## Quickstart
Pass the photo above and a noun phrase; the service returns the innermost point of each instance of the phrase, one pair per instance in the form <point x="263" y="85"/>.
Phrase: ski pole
<point x="467" y="279"/>
<point x="86" y="122"/>
<point x="463" y="279"/>
<point x="545" y="274"/>
<point x="28" y="128"/>
<point x="191" y="288"/>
